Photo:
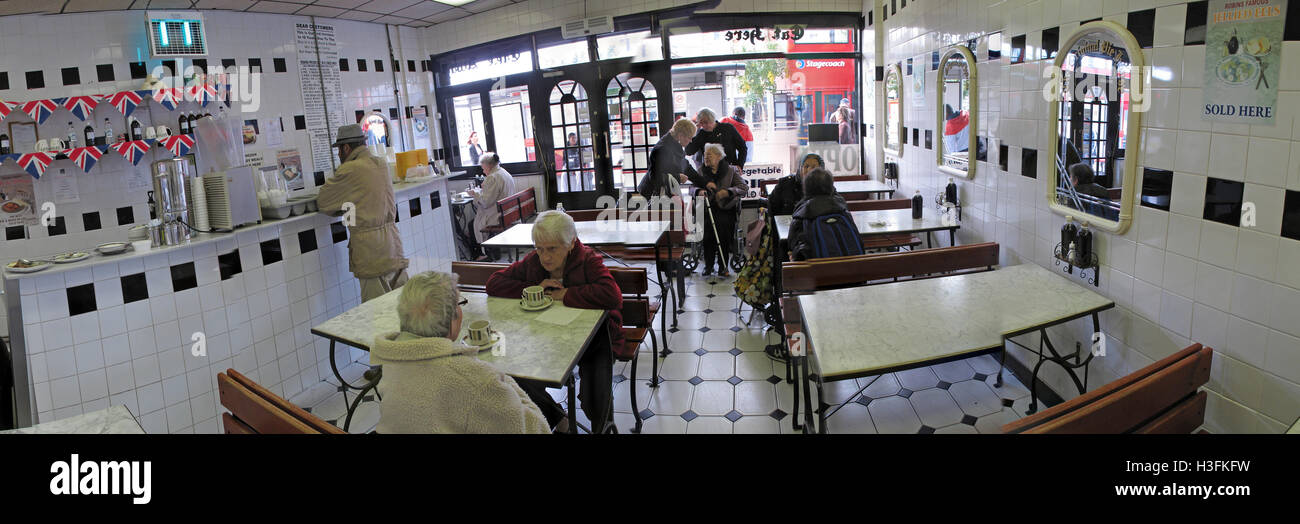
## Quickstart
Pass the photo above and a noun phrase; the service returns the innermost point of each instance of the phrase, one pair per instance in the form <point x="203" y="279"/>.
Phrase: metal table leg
<point x="573" y="406"/>
<point x="346" y="386"/>
<point x="793" y="363"/>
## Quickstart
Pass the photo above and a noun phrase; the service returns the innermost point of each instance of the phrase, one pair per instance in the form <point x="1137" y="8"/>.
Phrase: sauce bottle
<point x="950" y="192"/>
<point x="918" y="202"/>
<point x="1084" y="245"/>
<point x="1068" y="234"/>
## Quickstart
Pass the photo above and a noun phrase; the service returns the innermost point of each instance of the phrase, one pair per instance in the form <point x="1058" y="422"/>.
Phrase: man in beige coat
<point x="361" y="184"/>
<point x="434" y="385"/>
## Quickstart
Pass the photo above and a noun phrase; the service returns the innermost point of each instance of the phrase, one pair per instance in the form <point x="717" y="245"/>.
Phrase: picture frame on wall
<point x="24" y="136"/>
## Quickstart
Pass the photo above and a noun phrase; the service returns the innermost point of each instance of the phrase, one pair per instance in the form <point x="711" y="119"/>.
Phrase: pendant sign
<point x="1243" y="61"/>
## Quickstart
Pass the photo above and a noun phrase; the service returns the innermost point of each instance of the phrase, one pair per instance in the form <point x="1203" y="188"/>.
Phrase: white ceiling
<point x="413" y="13"/>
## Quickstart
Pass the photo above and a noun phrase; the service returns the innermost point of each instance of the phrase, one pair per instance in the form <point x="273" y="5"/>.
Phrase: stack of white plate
<point x="200" y="203"/>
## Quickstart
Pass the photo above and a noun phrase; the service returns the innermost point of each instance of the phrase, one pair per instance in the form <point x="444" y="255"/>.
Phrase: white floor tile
<point x="672" y="397"/>
<point x="708" y="426"/>
<point x="757" y="425"/>
<point x="891" y="415"/>
<point x="917" y="379"/>
<point x="755" y="398"/>
<point x="717" y="366"/>
<point x="975" y="398"/>
<point x="935" y="407"/>
<point x="853" y="419"/>
<point x="713" y="397"/>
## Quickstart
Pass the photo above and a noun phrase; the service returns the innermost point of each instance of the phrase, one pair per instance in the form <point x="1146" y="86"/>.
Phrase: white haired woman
<point x="724" y="188"/>
<point x="575" y="275"/>
<point x="433" y="385"/>
<point x="497" y="184"/>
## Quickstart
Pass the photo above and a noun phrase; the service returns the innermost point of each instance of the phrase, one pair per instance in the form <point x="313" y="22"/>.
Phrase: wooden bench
<point x="848" y="178"/>
<point x="514" y="209"/>
<point x="473" y="276"/>
<point x="858" y="270"/>
<point x="1162" y="398"/>
<point x="256" y="410"/>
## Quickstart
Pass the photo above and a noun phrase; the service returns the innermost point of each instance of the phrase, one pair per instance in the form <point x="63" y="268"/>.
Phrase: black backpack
<point x="833" y="235"/>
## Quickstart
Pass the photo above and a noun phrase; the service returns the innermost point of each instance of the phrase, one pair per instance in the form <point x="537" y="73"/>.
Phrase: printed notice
<point x="1243" y="60"/>
<point x="322" y="90"/>
<point x="65" y="188"/>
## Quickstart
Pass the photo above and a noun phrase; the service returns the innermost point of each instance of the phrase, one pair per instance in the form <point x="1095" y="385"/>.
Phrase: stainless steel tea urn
<point x="171" y="201"/>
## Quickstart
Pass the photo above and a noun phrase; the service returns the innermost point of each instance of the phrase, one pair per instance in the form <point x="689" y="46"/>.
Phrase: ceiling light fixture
<point x="454" y="3"/>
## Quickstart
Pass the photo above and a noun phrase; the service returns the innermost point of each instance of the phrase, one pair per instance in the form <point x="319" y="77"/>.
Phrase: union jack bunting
<point x="133" y="150"/>
<point x="6" y="107"/>
<point x="82" y="107"/>
<point x="40" y="110"/>
<point x="35" y="163"/>
<point x="179" y="145"/>
<point x="169" y="97"/>
<point x="85" y="157"/>
<point x="125" y="101"/>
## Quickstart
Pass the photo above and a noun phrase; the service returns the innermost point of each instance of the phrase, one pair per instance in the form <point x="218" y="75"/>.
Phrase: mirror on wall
<point x="1095" y="131"/>
<point x="958" y="114"/>
<point x="894" y="110"/>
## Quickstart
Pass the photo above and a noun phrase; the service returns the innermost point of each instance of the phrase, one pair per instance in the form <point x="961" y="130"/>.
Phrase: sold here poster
<point x="1243" y="59"/>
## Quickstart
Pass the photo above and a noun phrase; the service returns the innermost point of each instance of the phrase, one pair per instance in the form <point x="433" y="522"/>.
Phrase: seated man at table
<point x="433" y="385"/>
<point x="822" y="226"/>
<point x="574" y="275"/>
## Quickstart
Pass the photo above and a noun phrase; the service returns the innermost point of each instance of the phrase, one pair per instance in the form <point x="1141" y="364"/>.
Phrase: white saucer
<point x="496" y="337"/>
<point x="545" y="304"/>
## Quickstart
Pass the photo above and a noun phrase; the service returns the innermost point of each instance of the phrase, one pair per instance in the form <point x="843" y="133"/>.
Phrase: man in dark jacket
<point x="574" y="275"/>
<point x="788" y="192"/>
<point x="714" y="132"/>
<point x="820" y="199"/>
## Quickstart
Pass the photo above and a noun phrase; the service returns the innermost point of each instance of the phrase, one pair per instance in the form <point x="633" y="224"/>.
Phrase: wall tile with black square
<point x="134" y="288"/>
<point x="338" y="232"/>
<point x="279" y="65"/>
<point x="104" y="73"/>
<point x="343" y="65"/>
<point x="1223" y="201"/>
<point x="4" y="80"/>
<point x="362" y="64"/>
<point x="125" y="216"/>
<point x="71" y="76"/>
<point x="379" y="66"/>
<point x="15" y="233"/>
<point x="1143" y="26"/>
<point x="183" y="277"/>
<point x="255" y="65"/>
<point x="306" y="241"/>
<point x="1029" y="162"/>
<point x="229" y="265"/>
<point x="1003" y="156"/>
<point x="1291" y="215"/>
<point x="1157" y="188"/>
<point x="35" y="79"/>
<point x="271" y="252"/>
<point x="81" y="299"/>
<point x="138" y="70"/>
<point x="90" y="221"/>
<point x="299" y="122"/>
<point x="929" y="139"/>
<point x="60" y="227"/>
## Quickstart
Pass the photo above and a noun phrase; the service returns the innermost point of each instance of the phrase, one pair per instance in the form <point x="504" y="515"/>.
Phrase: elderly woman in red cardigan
<point x="574" y="275"/>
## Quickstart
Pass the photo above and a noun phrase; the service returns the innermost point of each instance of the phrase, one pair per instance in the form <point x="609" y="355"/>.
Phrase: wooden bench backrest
<point x="475" y="274"/>
<point x="837" y="272"/>
<point x="255" y="409"/>
<point x="862" y="204"/>
<point x="509" y="209"/>
<point x="1159" y="398"/>
<point x="527" y="204"/>
<point x="588" y="215"/>
<point x="631" y="280"/>
<point x="847" y="178"/>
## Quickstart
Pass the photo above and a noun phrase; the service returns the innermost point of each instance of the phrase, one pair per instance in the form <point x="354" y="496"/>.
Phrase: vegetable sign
<point x="1243" y="60"/>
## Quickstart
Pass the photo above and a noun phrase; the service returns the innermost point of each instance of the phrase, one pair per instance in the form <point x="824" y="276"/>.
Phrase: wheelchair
<point x="694" y="251"/>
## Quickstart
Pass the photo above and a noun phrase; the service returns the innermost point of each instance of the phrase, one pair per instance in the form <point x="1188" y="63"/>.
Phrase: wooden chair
<point x="639" y="310"/>
<point x="473" y="276"/>
<point x="255" y="410"/>
<point x="508" y="207"/>
<point x="1160" y="398"/>
<point x="857" y="270"/>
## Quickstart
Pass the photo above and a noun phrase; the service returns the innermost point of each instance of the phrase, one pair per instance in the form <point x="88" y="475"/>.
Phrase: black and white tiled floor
<point x="717" y="379"/>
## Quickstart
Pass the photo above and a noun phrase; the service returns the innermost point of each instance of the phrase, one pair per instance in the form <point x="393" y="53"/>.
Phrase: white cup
<point x="479" y="332"/>
<point x="42" y="146"/>
<point x="56" y="144"/>
<point x="149" y="133"/>
<point x="533" y="295"/>
<point x="163" y="132"/>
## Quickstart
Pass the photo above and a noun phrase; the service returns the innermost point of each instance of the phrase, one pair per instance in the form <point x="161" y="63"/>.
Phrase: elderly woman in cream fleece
<point x="433" y="385"/>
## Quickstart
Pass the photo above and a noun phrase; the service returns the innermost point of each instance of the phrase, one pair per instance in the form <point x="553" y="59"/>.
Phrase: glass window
<point x="491" y="68"/>
<point x="470" y="135"/>
<point x="634" y="127"/>
<point x="641" y="46"/>
<point x="779" y="39"/>
<point x="786" y="102"/>
<point x="571" y="136"/>
<point x="512" y="125"/>
<point x="563" y="54"/>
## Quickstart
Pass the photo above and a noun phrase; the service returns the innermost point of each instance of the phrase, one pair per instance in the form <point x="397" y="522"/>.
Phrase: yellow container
<point x="407" y="160"/>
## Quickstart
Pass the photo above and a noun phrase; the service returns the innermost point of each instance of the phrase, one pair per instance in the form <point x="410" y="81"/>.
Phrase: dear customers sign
<point x="1243" y="60"/>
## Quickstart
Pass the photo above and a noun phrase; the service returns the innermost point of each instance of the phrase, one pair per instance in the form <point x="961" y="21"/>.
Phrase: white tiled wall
<point x="1175" y="277"/>
<point x="257" y="322"/>
<point x="50" y="43"/>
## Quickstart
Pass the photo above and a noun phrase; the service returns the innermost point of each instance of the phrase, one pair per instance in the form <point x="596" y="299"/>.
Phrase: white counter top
<point x="400" y="190"/>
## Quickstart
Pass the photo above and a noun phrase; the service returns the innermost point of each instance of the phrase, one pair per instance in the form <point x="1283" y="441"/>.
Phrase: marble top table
<point x="866" y="186"/>
<point x="900" y="325"/>
<point x="896" y="221"/>
<point x="531" y="349"/>
<point x="592" y="233"/>
<point x="113" y="420"/>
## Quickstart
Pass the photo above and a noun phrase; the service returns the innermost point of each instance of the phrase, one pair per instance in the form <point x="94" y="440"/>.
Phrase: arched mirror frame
<point x="1132" y="153"/>
<point x="897" y="71"/>
<point x="972" y="76"/>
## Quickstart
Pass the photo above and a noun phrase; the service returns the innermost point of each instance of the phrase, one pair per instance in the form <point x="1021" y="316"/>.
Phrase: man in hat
<point x="374" y="247"/>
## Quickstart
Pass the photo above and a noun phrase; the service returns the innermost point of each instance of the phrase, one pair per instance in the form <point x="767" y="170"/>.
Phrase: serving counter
<point x="151" y="329"/>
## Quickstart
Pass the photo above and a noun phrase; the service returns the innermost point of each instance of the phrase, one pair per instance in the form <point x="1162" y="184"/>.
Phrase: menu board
<point x="322" y="91"/>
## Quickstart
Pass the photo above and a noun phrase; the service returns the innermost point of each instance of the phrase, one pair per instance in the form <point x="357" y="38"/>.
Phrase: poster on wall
<point x="290" y="168"/>
<point x="755" y="174"/>
<point x="322" y="90"/>
<point x="17" y="200"/>
<point x="65" y="187"/>
<point x="420" y="122"/>
<point x="1243" y="60"/>
<point x="250" y="132"/>
<point x="254" y="158"/>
